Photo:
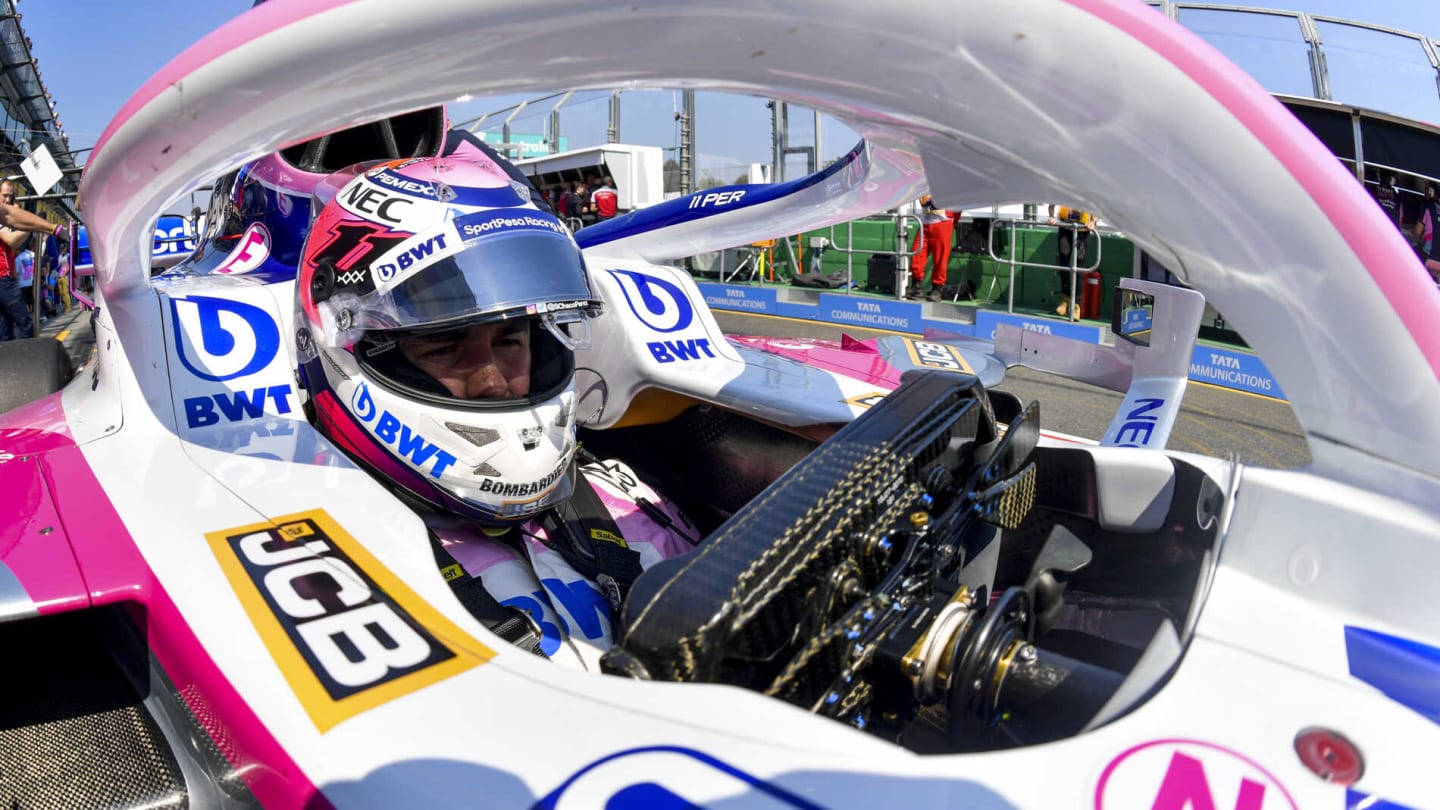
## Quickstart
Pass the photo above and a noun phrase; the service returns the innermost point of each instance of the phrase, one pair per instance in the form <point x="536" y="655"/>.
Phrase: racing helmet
<point x="410" y="263"/>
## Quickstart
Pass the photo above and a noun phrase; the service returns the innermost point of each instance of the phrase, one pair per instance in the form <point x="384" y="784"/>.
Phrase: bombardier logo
<point x="522" y="490"/>
<point x="347" y="634"/>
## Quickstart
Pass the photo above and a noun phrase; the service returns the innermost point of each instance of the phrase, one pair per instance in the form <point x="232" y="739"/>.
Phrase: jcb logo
<point x="347" y="634"/>
<point x="937" y="355"/>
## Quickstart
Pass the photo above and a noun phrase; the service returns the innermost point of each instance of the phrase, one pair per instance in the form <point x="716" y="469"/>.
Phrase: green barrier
<point x="1036" y="288"/>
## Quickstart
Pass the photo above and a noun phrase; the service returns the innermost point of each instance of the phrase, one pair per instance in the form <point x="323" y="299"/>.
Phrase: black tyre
<point x="31" y="369"/>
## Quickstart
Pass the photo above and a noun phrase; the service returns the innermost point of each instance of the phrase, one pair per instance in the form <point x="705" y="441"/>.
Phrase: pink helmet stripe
<point x="341" y="428"/>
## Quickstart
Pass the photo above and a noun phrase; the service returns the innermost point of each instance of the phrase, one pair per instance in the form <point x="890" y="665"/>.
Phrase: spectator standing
<point x="585" y="212"/>
<point x="574" y="202"/>
<point x="605" y="201"/>
<point x="562" y="201"/>
<point x="25" y="269"/>
<point x="1072" y="249"/>
<point x="62" y="270"/>
<point x="16" y="225"/>
<point x="1388" y="196"/>
<point x="937" y="232"/>
<point x="1426" y="229"/>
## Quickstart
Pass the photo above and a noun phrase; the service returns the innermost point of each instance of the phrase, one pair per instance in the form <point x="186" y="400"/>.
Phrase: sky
<point x="94" y="56"/>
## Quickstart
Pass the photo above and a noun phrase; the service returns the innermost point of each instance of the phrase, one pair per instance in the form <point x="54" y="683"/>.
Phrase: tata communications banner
<point x="1239" y="370"/>
<point x="1215" y="365"/>
<point x="174" y="239"/>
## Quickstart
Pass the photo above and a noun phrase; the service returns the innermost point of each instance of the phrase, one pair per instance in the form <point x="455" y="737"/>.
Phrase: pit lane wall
<point x="1211" y="364"/>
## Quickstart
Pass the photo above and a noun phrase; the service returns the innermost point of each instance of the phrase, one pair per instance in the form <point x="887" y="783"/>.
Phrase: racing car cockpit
<point x="932" y="576"/>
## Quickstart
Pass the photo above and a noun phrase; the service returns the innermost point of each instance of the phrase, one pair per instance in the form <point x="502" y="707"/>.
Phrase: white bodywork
<point x="1101" y="102"/>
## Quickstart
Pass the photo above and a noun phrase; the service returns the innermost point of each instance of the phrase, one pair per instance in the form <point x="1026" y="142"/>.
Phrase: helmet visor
<point x="476" y="267"/>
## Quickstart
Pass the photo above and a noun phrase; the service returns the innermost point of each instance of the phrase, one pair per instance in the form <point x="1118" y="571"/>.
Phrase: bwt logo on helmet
<point x="407" y="255"/>
<point x="389" y="429"/>
<point x="483" y="222"/>
<point x="658" y="303"/>
<point x="218" y="339"/>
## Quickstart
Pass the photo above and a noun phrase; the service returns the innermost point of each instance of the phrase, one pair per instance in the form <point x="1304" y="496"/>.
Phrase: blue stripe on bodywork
<point x="1407" y="671"/>
<point x="1355" y="800"/>
<point x="679" y="210"/>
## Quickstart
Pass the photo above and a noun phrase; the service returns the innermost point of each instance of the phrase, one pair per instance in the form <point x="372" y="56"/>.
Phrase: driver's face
<point x="489" y="361"/>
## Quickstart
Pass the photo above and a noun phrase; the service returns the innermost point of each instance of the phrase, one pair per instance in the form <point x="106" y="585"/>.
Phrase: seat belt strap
<point x="584" y="534"/>
<point x="512" y="624"/>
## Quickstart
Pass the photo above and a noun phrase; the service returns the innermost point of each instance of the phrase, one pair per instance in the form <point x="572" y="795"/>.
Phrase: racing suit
<point x="572" y="611"/>
<point x="936" y="236"/>
<point x="604" y="200"/>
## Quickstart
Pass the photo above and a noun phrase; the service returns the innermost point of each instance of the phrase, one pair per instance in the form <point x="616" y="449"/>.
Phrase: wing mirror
<point x="1132" y="316"/>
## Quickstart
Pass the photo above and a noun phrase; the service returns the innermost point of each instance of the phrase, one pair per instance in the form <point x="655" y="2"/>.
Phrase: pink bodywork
<point x="63" y="540"/>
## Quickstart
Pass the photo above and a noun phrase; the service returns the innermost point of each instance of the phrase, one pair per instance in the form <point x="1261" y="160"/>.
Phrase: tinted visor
<point x="520" y="263"/>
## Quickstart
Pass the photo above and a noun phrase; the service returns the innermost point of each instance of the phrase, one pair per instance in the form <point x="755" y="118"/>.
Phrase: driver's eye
<point x="440" y="350"/>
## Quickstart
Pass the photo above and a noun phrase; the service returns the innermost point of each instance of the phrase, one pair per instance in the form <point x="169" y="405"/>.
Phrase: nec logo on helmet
<point x="368" y="200"/>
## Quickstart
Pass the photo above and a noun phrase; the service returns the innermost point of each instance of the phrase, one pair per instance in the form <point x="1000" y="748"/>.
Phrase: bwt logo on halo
<point x="659" y="304"/>
<point x="220" y="340"/>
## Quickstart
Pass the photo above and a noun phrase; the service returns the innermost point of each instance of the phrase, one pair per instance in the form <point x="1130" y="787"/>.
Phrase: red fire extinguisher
<point x="1090" y="296"/>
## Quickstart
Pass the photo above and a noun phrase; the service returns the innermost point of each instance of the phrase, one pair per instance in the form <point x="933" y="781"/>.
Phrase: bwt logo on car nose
<point x="389" y="429"/>
<point x="218" y="339"/>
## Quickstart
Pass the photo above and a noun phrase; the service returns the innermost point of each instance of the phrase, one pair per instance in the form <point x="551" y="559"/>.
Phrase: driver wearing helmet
<point x="438" y="311"/>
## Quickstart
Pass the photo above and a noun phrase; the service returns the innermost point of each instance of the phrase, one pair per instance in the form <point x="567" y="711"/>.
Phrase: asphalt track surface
<point x="73" y="329"/>
<point x="1213" y="421"/>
